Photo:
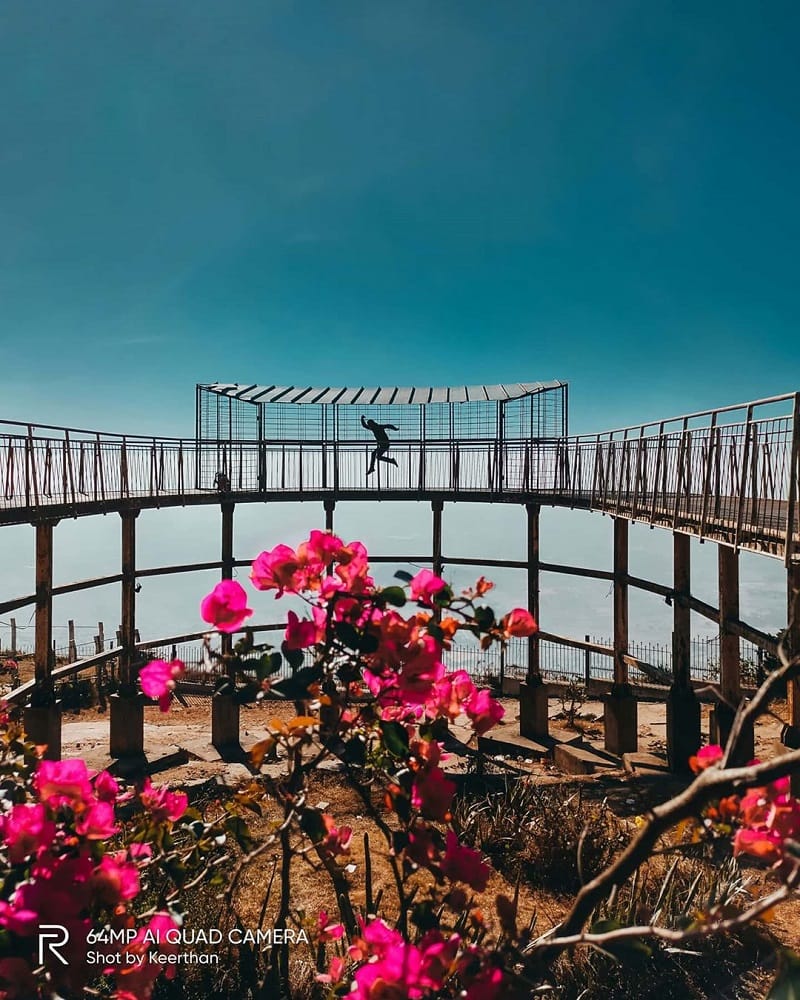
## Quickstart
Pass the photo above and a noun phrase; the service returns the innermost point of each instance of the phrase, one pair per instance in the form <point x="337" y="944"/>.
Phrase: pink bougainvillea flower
<point x="421" y="671"/>
<point x="63" y="783"/>
<point x="425" y="586"/>
<point x="432" y="794"/>
<point x="484" y="711"/>
<point x="114" y="879"/>
<point x="277" y="569"/>
<point x="97" y="822"/>
<point x="519" y="622"/>
<point x="335" y="971"/>
<point x="162" y="804"/>
<point x="226" y="606"/>
<point x="26" y="830"/>
<point x="327" y="931"/>
<point x="438" y="958"/>
<point x="300" y="632"/>
<point x="317" y="554"/>
<point x="352" y="569"/>
<point x="17" y="919"/>
<point x="336" y="841"/>
<point x="158" y="680"/>
<point x="706" y="757"/>
<point x="462" y="864"/>
<point x="762" y="844"/>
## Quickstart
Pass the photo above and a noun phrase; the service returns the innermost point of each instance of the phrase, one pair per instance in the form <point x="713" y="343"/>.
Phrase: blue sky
<point x="371" y="193"/>
<point x="390" y="193"/>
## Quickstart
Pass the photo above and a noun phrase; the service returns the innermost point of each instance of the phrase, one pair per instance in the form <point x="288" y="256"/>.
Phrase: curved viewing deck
<point x="728" y="475"/>
<point x="733" y="481"/>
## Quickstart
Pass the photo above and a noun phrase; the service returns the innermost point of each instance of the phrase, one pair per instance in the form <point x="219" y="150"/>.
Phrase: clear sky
<point x="373" y="193"/>
<point x="389" y="193"/>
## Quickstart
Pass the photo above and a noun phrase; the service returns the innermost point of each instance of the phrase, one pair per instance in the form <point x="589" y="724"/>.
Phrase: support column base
<point x="683" y="728"/>
<point x="126" y="725"/>
<point x="42" y="725"/>
<point x="533" y="710"/>
<point x="720" y="725"/>
<point x="621" y="720"/>
<point x="224" y="721"/>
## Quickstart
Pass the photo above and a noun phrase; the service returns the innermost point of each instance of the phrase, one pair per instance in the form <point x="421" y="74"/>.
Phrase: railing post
<point x="621" y="710"/>
<point x="587" y="665"/>
<point x="683" y="708"/>
<point x="42" y="719"/>
<point x="794" y="484"/>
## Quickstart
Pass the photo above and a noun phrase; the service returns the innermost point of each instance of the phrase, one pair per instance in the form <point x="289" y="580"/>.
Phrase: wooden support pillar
<point x="683" y="708"/>
<point x="128" y="607"/>
<point x="42" y="720"/>
<point x="226" y="557"/>
<point x="43" y="641"/>
<point x="791" y="732"/>
<point x="533" y="694"/>
<point x="621" y="710"/>
<point x="723" y="714"/>
<point x="620" y="601"/>
<point x="533" y="511"/>
<point x="126" y="716"/>
<point x="224" y="706"/>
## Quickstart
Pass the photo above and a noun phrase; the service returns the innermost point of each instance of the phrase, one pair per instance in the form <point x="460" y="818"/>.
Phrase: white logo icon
<point x="51" y="938"/>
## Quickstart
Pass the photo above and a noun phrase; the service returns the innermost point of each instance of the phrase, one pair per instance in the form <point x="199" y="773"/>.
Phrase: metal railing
<point x="729" y="474"/>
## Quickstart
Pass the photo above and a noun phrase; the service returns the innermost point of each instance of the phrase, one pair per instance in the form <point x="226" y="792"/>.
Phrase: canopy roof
<point x="381" y="396"/>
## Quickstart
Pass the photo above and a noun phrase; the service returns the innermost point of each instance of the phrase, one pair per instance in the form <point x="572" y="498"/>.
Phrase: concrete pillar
<point x="683" y="708"/>
<point x="126" y="706"/>
<point x="729" y="658"/>
<point x="224" y="707"/>
<point x="621" y="711"/>
<point x="42" y="719"/>
<point x="533" y="694"/>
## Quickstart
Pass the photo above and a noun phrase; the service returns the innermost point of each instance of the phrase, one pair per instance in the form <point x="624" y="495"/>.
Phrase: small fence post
<point x="98" y="644"/>
<point x="502" y="667"/>
<point x="587" y="664"/>
<point x="13" y="636"/>
<point x="72" y="651"/>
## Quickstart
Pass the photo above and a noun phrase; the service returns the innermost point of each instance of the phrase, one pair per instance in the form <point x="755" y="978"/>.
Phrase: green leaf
<point x="401" y="574"/>
<point x="787" y="983"/>
<point x="484" y="617"/>
<point x="395" y="596"/>
<point x="237" y="827"/>
<point x="294" y="657"/>
<point x="297" y="685"/>
<point x="347" y="634"/>
<point x="395" y="738"/>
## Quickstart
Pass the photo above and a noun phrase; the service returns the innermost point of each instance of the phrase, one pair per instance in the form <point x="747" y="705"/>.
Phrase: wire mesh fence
<point x="488" y="666"/>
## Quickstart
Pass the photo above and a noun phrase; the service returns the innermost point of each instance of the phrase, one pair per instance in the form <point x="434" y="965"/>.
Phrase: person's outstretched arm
<point x="390" y="427"/>
<point x="364" y="423"/>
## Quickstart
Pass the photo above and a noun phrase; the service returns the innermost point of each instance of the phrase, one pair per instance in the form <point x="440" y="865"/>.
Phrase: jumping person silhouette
<point x="379" y="430"/>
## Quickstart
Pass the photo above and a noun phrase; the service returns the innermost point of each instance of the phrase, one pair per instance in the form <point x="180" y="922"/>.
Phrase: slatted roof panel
<point x="379" y="395"/>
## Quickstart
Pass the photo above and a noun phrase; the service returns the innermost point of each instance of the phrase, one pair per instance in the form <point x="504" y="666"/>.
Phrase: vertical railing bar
<point x="707" y="473"/>
<point x="743" y="478"/>
<point x="794" y="475"/>
<point x="658" y="472"/>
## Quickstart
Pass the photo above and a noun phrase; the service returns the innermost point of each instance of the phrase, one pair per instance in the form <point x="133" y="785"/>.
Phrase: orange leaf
<point x="302" y="722"/>
<point x="260" y="750"/>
